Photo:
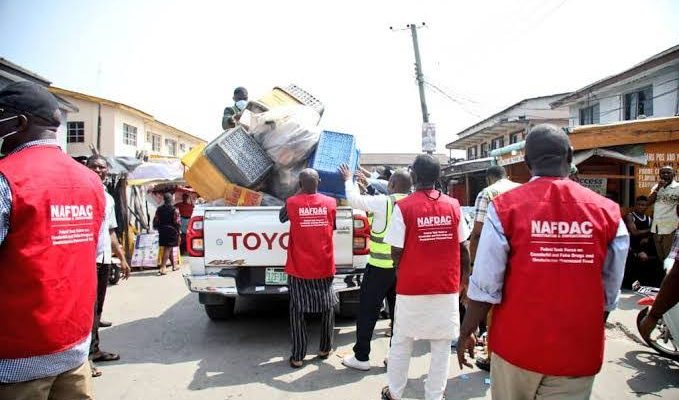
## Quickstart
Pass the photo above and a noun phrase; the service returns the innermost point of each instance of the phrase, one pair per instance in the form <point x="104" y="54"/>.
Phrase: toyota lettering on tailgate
<point x="257" y="240"/>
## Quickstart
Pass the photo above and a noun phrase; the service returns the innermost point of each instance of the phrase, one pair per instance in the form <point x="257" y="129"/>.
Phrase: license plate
<point x="275" y="276"/>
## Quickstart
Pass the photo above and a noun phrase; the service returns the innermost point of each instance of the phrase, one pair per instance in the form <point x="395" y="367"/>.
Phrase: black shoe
<point x="483" y="363"/>
<point x="105" y="324"/>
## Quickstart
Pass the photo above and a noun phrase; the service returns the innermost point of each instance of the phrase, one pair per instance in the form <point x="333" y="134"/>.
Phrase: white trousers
<point x="399" y="363"/>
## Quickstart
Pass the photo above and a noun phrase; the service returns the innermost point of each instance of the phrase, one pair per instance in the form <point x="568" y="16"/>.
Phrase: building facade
<point x="370" y="161"/>
<point x="650" y="89"/>
<point x="628" y="125"/>
<point x="506" y="128"/>
<point x="116" y="129"/>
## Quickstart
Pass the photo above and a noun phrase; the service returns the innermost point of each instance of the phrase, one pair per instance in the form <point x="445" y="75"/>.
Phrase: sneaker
<point x="352" y="362"/>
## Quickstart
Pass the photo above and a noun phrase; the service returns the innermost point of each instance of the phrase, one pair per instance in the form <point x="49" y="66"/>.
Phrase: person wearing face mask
<point x="232" y="113"/>
<point x="51" y="220"/>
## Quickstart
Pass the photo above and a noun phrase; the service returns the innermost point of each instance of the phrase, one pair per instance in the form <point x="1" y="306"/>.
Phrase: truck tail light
<point x="195" y="244"/>
<point x="361" y="235"/>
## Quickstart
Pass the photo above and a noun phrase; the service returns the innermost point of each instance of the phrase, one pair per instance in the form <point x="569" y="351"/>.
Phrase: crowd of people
<point x="545" y="268"/>
<point x="543" y="272"/>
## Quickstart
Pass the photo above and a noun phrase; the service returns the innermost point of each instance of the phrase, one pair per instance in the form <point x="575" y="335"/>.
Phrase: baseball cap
<point x="32" y="100"/>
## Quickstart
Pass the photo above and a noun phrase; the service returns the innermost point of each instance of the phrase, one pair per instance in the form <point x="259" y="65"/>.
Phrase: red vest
<point x="551" y="319"/>
<point x="430" y="263"/>
<point x="311" y="253"/>
<point x="47" y="261"/>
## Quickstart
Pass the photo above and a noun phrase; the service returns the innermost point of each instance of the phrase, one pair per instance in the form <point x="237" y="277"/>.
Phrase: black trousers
<point x="378" y="284"/>
<point x="103" y="273"/>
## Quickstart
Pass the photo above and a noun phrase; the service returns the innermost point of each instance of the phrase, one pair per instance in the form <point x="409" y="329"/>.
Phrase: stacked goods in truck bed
<point x="333" y="150"/>
<point x="240" y="196"/>
<point x="203" y="177"/>
<point x="291" y="95"/>
<point x="278" y="137"/>
<point x="239" y="158"/>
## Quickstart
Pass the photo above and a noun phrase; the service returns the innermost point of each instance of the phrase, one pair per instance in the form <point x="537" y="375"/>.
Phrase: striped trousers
<point x="300" y="336"/>
<point x="310" y="296"/>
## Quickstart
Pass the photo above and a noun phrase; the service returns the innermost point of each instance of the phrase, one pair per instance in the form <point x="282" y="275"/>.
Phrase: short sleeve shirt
<point x="665" y="219"/>
<point x="396" y="233"/>
<point x="488" y="194"/>
<point x="104" y="253"/>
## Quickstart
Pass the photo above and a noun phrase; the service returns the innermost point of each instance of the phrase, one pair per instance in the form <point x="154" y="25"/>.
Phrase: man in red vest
<point x="310" y="265"/>
<point x="550" y="260"/>
<point x="428" y="237"/>
<point x="51" y="212"/>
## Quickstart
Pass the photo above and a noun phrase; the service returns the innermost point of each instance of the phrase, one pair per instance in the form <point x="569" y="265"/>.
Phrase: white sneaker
<point x="352" y="362"/>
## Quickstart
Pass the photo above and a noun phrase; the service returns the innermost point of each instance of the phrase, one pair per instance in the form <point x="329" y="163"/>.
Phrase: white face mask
<point x="241" y="104"/>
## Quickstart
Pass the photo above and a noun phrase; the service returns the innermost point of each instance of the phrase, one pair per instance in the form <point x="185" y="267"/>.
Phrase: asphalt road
<point x="171" y="350"/>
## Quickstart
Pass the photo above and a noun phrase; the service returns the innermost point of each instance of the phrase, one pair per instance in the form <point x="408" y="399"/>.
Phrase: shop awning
<point x="468" y="166"/>
<point x="629" y="154"/>
<point x="157" y="172"/>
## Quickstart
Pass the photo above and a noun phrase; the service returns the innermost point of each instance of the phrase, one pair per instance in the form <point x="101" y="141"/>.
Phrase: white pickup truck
<point x="241" y="251"/>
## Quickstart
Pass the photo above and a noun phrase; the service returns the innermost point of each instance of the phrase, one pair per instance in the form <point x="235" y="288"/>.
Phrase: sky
<point x="181" y="60"/>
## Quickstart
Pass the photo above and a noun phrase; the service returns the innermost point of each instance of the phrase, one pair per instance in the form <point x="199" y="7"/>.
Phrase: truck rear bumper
<point x="220" y="284"/>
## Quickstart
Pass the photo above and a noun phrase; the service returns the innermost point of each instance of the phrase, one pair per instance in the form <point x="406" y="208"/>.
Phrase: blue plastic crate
<point x="334" y="149"/>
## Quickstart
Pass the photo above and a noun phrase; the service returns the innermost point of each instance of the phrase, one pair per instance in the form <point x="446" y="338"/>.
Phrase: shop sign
<point x="595" y="184"/>
<point x="659" y="155"/>
<point x="514" y="157"/>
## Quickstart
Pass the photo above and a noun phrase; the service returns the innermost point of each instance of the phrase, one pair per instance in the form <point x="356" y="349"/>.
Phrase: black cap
<point x="32" y="100"/>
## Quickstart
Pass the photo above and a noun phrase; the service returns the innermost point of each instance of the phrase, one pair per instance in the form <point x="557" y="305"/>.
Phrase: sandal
<point x="386" y="394"/>
<point x="161" y="273"/>
<point x="175" y="268"/>
<point x="105" y="356"/>
<point x="95" y="372"/>
<point x="296" y="364"/>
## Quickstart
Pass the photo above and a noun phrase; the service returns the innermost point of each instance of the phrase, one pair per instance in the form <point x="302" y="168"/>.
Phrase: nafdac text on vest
<point x="435" y="228"/>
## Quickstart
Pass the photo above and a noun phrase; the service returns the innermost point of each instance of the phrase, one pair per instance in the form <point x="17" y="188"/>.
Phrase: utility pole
<point x="418" y="72"/>
<point x="419" y="76"/>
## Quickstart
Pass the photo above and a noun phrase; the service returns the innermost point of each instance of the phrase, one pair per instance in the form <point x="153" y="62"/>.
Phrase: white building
<point x="508" y="126"/>
<point x="117" y="129"/>
<point x="649" y="89"/>
<point x="504" y="128"/>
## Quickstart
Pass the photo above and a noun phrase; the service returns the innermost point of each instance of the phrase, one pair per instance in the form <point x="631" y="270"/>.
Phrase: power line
<point x="451" y="98"/>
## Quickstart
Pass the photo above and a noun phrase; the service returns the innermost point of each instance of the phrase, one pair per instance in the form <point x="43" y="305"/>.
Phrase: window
<point x="484" y="150"/>
<point x="182" y="147"/>
<point x="171" y="147"/>
<point x="155" y="142"/>
<point x="471" y="153"/>
<point x="514" y="138"/>
<point x="75" y="132"/>
<point x="589" y="115"/>
<point x="130" y="135"/>
<point x="638" y="103"/>
<point x="497" y="143"/>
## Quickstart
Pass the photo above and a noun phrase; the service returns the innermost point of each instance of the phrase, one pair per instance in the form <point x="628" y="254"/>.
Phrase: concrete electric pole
<point x="426" y="126"/>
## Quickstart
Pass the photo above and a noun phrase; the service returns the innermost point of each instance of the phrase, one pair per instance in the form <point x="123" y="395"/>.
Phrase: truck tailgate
<point x="253" y="236"/>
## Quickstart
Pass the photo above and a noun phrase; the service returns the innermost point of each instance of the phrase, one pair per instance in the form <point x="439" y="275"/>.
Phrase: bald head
<point x="548" y="151"/>
<point x="308" y="180"/>
<point x="400" y="182"/>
